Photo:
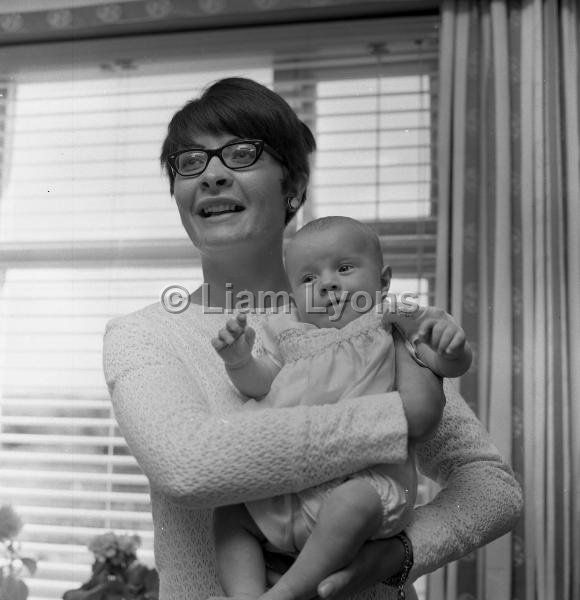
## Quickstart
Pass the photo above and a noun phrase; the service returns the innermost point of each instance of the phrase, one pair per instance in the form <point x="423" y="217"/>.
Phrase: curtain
<point x="509" y="270"/>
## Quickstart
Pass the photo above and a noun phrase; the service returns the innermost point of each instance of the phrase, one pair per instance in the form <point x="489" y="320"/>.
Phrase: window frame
<point x="93" y="55"/>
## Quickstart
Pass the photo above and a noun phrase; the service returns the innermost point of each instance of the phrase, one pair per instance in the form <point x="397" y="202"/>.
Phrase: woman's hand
<point x="421" y="392"/>
<point x="376" y="561"/>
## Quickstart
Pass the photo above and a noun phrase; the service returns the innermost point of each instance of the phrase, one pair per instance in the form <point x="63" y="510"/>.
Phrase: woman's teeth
<point x="218" y="209"/>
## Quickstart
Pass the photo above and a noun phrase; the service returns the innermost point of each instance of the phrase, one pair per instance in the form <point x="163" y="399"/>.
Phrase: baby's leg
<point x="348" y="517"/>
<point x="240" y="560"/>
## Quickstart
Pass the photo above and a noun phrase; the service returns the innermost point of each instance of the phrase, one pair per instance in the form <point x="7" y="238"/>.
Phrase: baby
<point x="336" y="344"/>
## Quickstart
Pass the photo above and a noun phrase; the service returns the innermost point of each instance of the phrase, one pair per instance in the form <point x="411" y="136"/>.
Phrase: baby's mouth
<point x="336" y="299"/>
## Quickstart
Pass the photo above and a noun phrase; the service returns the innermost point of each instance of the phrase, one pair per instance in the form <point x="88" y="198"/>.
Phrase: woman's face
<point x="224" y="209"/>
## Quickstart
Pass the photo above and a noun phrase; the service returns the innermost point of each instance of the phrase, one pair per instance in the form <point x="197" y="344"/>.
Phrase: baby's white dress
<point x="322" y="366"/>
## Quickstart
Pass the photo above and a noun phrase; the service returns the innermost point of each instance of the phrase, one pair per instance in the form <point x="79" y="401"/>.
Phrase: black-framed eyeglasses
<point x="234" y="155"/>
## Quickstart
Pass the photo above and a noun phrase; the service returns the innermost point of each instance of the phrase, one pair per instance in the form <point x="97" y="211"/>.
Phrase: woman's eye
<point x="242" y="155"/>
<point x="192" y="160"/>
<point x="344" y="268"/>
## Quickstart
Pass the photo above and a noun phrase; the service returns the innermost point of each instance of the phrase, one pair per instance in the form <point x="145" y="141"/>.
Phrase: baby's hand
<point x="439" y="341"/>
<point x="441" y="333"/>
<point x="235" y="341"/>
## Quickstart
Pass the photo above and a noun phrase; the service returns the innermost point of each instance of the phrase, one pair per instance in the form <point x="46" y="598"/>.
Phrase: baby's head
<point x="335" y="268"/>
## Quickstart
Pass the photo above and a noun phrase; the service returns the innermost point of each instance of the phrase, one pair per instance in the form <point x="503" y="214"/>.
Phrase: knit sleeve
<point x="479" y="499"/>
<point x="206" y="460"/>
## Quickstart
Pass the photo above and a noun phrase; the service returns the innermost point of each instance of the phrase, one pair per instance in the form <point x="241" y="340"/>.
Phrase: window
<point x="372" y="108"/>
<point x="88" y="231"/>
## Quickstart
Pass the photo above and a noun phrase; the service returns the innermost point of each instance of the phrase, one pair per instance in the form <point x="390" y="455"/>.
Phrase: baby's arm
<point x="422" y="404"/>
<point x="440" y="343"/>
<point x="252" y="376"/>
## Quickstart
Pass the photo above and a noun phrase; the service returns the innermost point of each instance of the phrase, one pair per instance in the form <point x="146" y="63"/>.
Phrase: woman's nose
<point x="216" y="175"/>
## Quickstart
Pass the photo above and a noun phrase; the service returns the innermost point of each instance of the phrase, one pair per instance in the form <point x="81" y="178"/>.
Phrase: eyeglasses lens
<point x="234" y="156"/>
<point x="240" y="155"/>
<point x="192" y="162"/>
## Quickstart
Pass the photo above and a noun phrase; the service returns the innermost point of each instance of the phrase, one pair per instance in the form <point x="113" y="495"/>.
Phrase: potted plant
<point x="116" y="572"/>
<point x="12" y="563"/>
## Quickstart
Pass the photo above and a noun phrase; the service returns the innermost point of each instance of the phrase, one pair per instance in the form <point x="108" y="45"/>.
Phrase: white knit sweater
<point x="185" y="424"/>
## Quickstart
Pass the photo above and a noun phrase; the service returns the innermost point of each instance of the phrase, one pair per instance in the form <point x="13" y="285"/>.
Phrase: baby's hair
<point x="325" y="223"/>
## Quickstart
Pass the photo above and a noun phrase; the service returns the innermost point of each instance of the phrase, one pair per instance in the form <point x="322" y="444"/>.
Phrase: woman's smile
<point x="217" y="207"/>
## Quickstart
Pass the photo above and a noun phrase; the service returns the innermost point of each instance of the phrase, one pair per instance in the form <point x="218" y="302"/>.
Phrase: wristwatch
<point x="399" y="580"/>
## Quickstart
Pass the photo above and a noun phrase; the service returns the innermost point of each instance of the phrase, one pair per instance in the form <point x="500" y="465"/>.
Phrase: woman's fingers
<point x="375" y="561"/>
<point x="353" y="578"/>
<point x="336" y="585"/>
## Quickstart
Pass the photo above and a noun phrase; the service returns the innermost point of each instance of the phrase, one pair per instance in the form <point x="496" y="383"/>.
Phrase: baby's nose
<point x="329" y="283"/>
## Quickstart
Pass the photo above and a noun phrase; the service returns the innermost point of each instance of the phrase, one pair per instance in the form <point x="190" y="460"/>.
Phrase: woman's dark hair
<point x="246" y="109"/>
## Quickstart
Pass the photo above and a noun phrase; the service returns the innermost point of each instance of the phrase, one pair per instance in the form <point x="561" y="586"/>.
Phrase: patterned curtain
<point x="509" y="270"/>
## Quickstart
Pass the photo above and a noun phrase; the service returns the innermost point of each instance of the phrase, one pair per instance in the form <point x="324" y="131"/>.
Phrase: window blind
<point x="92" y="179"/>
<point x="65" y="466"/>
<point x="372" y="108"/>
<point x="88" y="232"/>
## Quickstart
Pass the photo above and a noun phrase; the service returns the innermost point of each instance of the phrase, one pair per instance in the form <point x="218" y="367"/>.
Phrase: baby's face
<point x="335" y="276"/>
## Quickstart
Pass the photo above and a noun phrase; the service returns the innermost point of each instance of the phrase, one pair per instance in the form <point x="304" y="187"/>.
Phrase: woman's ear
<point x="297" y="188"/>
<point x="386" y="274"/>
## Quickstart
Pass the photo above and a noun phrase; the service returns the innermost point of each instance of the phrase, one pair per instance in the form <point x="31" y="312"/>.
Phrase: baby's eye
<point x="345" y="268"/>
<point x="308" y="278"/>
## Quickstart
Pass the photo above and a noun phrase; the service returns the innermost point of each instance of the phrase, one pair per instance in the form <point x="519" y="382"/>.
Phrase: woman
<point x="183" y="419"/>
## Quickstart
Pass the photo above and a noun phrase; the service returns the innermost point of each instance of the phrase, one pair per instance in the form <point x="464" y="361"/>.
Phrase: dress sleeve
<point x="205" y="459"/>
<point x="479" y="499"/>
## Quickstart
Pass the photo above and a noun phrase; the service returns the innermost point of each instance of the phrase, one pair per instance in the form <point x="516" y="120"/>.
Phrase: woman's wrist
<point x="400" y="579"/>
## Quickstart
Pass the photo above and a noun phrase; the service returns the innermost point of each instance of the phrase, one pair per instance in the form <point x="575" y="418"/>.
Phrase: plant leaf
<point x="30" y="564"/>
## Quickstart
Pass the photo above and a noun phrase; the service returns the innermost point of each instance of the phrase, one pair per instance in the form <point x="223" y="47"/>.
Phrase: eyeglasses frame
<point x="259" y="144"/>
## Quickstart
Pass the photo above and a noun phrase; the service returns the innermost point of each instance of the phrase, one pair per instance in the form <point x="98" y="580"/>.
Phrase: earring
<point x="293" y="203"/>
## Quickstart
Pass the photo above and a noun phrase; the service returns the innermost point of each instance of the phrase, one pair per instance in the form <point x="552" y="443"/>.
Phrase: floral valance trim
<point x="167" y="15"/>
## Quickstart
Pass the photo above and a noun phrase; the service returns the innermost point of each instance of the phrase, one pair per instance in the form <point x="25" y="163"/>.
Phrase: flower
<point x="114" y="548"/>
<point x="129" y="544"/>
<point x="10" y="523"/>
<point x="103" y="546"/>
